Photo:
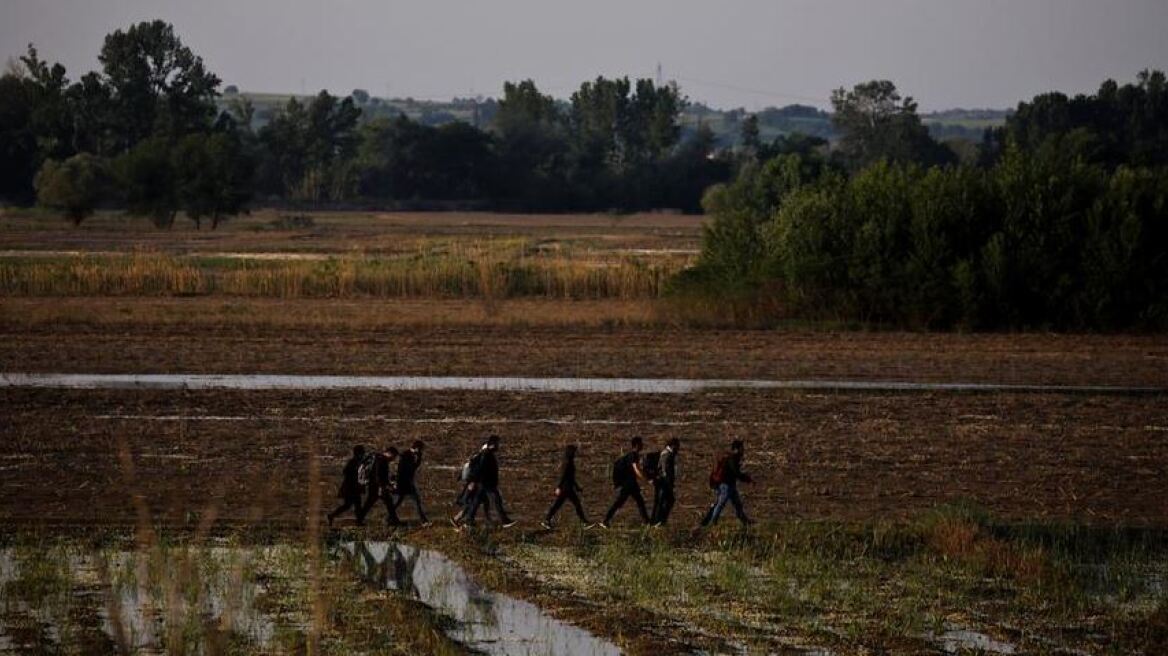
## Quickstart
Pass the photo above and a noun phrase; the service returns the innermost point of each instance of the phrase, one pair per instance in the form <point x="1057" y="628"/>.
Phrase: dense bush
<point x="1031" y="242"/>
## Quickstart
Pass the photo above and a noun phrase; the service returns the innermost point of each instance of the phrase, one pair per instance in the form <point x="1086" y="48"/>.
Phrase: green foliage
<point x="73" y="187"/>
<point x="875" y="124"/>
<point x="1030" y="243"/>
<point x="213" y="177"/>
<point x="158" y="85"/>
<point x="148" y="180"/>
<point x="1118" y="125"/>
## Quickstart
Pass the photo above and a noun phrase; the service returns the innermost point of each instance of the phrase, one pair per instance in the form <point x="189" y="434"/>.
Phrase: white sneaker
<point x="546" y="524"/>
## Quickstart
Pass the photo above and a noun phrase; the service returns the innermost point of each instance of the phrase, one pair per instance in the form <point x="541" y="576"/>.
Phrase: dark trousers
<point x="726" y="493"/>
<point x="384" y="495"/>
<point x="567" y="495"/>
<point x="624" y="493"/>
<point x="411" y="493"/>
<point x="487" y="496"/>
<point x="349" y="501"/>
<point x="663" y="500"/>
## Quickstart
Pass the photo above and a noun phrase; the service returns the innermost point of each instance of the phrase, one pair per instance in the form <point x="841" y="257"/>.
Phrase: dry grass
<point x="489" y="270"/>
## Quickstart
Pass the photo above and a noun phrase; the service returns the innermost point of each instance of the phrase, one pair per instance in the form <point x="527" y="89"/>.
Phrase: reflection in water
<point x="486" y="621"/>
<point x="144" y="603"/>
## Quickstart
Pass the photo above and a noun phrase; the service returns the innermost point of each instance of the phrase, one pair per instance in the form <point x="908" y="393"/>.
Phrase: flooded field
<point x="185" y="599"/>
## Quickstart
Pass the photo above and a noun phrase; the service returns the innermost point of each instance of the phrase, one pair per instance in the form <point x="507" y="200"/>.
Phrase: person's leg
<point x="622" y="495"/>
<point x="476" y="500"/>
<point x="391" y="517"/>
<point x="498" y="497"/>
<point x="560" y="499"/>
<point x="737" y="503"/>
<point x="418" y="504"/>
<point x="719" y="503"/>
<point x="667" y="502"/>
<point x="575" y="499"/>
<point x="635" y="492"/>
<point x="350" y="501"/>
<point x="370" y="499"/>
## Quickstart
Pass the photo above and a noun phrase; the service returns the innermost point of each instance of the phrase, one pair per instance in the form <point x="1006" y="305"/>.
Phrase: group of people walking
<point x="369" y="477"/>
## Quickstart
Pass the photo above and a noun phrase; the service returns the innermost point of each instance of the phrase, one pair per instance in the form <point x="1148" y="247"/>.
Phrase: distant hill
<point x="967" y="124"/>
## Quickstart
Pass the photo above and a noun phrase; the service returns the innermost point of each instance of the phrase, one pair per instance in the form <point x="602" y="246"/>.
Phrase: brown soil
<point x="528" y="338"/>
<point x="1098" y="460"/>
<point x="348" y="231"/>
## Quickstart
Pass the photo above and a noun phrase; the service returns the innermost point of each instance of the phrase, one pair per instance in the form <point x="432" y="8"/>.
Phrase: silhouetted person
<point x="381" y="486"/>
<point x="351" y="489"/>
<point x="469" y="491"/>
<point x="625" y="474"/>
<point x="567" y="489"/>
<point x="484" y="481"/>
<point x="664" y="482"/>
<point x="724" y="480"/>
<point x="407" y="474"/>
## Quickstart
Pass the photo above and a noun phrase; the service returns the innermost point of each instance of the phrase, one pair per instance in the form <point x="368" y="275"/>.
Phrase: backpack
<point x="365" y="470"/>
<point x="718" y="475"/>
<point x="622" y="470"/>
<point x="471" y="467"/>
<point x="651" y="464"/>
<point x="464" y="472"/>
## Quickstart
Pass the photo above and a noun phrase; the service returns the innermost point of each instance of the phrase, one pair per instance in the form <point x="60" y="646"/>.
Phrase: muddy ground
<point x="74" y="458"/>
<point x="528" y="338"/>
<point x="343" y="232"/>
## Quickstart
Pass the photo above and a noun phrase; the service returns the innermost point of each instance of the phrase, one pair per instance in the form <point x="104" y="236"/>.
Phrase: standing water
<point x="485" y="621"/>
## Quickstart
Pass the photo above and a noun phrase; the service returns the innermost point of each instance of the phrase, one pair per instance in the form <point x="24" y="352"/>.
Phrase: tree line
<point x="144" y="133"/>
<point x="1060" y="221"/>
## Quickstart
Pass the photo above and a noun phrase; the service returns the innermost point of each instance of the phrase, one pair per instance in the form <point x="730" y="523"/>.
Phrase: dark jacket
<point x="382" y="476"/>
<point x="484" y="469"/>
<point x="349" y="485"/>
<point x="733" y="469"/>
<point x="407" y="470"/>
<point x="568" y="482"/>
<point x="624" y="472"/>
<point x="668" y="468"/>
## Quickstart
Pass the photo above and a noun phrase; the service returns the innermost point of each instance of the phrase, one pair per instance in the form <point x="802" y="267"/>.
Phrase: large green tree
<point x="875" y="123"/>
<point x="158" y="85"/>
<point x="213" y="177"/>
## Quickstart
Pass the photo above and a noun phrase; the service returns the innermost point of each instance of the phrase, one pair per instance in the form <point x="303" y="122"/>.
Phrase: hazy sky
<point x="753" y="53"/>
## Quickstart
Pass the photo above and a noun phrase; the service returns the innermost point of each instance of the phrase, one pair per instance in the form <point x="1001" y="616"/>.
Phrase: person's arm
<point x="743" y="476"/>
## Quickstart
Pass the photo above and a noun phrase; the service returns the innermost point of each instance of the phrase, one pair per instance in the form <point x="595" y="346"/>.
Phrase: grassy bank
<point x="952" y="579"/>
<point x="484" y="270"/>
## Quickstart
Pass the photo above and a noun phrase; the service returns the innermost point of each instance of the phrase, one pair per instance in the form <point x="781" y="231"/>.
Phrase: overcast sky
<point x="752" y="53"/>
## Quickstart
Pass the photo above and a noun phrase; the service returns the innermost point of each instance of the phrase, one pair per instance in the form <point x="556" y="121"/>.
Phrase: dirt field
<point x="269" y="231"/>
<point x="536" y="338"/>
<point x="243" y="456"/>
<point x="1067" y="490"/>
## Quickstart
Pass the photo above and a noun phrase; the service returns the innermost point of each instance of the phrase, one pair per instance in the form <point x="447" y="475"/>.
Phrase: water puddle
<point x="485" y="621"/>
<point x="60" y="598"/>
<point x="960" y="641"/>
<point x="515" y="384"/>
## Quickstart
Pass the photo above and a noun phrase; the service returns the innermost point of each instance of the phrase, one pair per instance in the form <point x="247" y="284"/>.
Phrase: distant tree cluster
<point x="1064" y="225"/>
<point x="142" y="133"/>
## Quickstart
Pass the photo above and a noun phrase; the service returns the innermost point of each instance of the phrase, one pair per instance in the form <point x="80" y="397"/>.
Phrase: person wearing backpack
<point x="380" y="486"/>
<point x="466" y="495"/>
<point x="407" y="473"/>
<point x="664" y="482"/>
<point x="724" y="481"/>
<point x="351" y="488"/>
<point x="625" y="474"/>
<point x="484" y="479"/>
<point x="567" y="489"/>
